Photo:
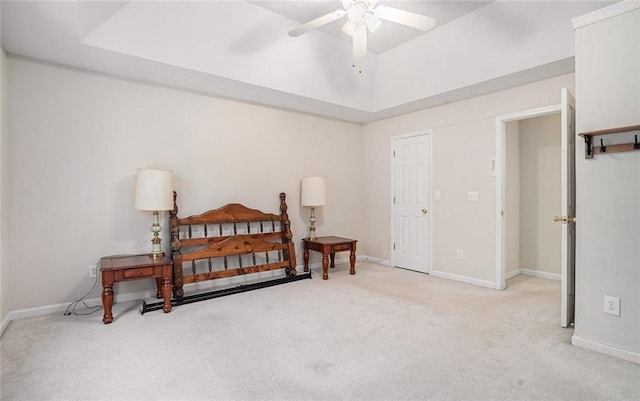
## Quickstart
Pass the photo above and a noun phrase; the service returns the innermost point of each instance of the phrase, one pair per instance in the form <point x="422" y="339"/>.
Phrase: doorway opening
<point x="566" y="220"/>
<point x="532" y="240"/>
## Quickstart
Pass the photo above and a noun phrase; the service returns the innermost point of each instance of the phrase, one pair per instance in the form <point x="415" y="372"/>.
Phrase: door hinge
<point x="564" y="219"/>
<point x="394" y="153"/>
<point x="394" y="246"/>
<point x="394" y="199"/>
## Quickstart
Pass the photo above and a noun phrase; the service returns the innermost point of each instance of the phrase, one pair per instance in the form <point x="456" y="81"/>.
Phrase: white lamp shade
<point x="154" y="190"/>
<point x="313" y="192"/>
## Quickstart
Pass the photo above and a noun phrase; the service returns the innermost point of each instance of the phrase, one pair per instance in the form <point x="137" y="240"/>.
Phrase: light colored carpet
<point x="384" y="334"/>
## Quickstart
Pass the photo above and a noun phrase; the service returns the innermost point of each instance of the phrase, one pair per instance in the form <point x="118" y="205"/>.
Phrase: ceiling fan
<point x="363" y="16"/>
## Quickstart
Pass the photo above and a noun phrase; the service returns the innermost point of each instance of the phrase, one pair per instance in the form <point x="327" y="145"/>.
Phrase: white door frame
<point x="501" y="149"/>
<point x="429" y="155"/>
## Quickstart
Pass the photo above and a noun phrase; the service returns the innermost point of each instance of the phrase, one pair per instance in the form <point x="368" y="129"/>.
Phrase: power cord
<point x="71" y="309"/>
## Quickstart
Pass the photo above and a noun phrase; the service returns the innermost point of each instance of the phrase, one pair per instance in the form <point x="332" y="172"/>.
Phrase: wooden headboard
<point x="229" y="241"/>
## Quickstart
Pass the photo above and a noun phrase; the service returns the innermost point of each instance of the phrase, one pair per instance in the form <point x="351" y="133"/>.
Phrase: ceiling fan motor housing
<point x="360" y="12"/>
<point x="366" y="16"/>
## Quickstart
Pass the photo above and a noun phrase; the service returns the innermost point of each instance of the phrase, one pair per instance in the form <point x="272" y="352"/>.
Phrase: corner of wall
<point x="4" y="145"/>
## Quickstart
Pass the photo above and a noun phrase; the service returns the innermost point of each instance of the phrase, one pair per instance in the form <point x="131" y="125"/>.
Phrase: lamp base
<point x="156" y="248"/>
<point x="312" y="224"/>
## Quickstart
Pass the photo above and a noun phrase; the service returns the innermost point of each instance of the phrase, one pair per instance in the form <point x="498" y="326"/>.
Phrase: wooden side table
<point x="328" y="246"/>
<point x="123" y="268"/>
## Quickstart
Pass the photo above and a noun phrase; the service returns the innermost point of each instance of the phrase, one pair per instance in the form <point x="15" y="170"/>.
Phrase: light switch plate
<point x="436" y="195"/>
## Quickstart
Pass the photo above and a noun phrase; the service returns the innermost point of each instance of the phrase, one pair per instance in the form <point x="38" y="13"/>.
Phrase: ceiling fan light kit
<point x="349" y="27"/>
<point x="372" y="22"/>
<point x="363" y="16"/>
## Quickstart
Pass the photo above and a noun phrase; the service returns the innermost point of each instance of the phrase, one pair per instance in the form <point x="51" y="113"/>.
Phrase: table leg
<point x="352" y="260"/>
<point x="166" y="289"/>
<point x="107" y="296"/>
<point x="333" y="260"/>
<point x="306" y="259"/>
<point x="159" y="289"/>
<point x="325" y="266"/>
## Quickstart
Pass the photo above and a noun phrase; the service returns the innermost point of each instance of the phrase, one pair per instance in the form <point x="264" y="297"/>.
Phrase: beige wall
<point x="77" y="139"/>
<point x="540" y="194"/>
<point x="512" y="199"/>
<point x="4" y="174"/>
<point x="608" y="187"/>
<point x="463" y="146"/>
<point x="92" y="132"/>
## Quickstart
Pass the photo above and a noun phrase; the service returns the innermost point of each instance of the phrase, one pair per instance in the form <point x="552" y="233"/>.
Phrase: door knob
<point x="425" y="211"/>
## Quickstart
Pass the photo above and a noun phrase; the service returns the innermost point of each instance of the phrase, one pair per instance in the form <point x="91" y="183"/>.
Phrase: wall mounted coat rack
<point x="590" y="149"/>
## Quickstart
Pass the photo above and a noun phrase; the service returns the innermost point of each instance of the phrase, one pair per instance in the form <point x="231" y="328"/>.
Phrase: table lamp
<point x="154" y="192"/>
<point x="313" y="193"/>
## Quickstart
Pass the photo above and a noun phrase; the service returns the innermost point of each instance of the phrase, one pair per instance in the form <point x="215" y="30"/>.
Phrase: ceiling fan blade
<point x="360" y="42"/>
<point x="403" y="17"/>
<point x="317" y="23"/>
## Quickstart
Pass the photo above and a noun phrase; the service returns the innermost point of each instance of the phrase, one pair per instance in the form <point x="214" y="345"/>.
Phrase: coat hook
<point x="603" y="149"/>
<point x="588" y="147"/>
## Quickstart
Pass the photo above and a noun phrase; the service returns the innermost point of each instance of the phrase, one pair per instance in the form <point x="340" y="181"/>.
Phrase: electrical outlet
<point x="93" y="271"/>
<point x="611" y="305"/>
<point x="473" y="196"/>
<point x="459" y="254"/>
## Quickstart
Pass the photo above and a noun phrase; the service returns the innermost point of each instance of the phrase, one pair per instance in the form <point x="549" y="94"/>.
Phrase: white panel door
<point x="568" y="208"/>
<point x="411" y="203"/>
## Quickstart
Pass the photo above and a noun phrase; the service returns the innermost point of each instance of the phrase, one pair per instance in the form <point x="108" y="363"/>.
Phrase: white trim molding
<point x="605" y="13"/>
<point x="371" y="259"/>
<point x="605" y="349"/>
<point x="500" y="136"/>
<point x="5" y="323"/>
<point x="61" y="308"/>
<point x="540" y="274"/>
<point x="141" y="295"/>
<point x="337" y="261"/>
<point x="463" y="279"/>
<point x="533" y="273"/>
<point x="512" y="274"/>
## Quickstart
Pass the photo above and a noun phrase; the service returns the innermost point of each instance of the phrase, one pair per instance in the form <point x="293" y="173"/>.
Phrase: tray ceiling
<point x="240" y="49"/>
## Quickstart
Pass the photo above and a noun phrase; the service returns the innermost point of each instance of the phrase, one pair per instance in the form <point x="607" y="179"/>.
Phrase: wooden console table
<point x="123" y="268"/>
<point x="328" y="246"/>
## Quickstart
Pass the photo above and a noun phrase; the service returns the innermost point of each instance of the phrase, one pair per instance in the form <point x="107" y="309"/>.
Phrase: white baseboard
<point x="339" y="261"/>
<point x="375" y="260"/>
<point x="512" y="274"/>
<point x="26" y="313"/>
<point x="537" y="273"/>
<point x="140" y="295"/>
<point x="464" y="279"/>
<point x="5" y="323"/>
<point x="534" y="273"/>
<point x="606" y="349"/>
<point x="62" y="307"/>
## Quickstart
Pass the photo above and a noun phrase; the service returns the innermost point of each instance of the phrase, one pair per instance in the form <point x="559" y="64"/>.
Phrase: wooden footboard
<point x="229" y="241"/>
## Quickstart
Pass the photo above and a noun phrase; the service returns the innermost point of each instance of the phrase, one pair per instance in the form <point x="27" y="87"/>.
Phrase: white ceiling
<point x="240" y="49"/>
<point x="390" y="34"/>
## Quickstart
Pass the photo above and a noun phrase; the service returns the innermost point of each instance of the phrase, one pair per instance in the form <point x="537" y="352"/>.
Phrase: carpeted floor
<point x="383" y="334"/>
